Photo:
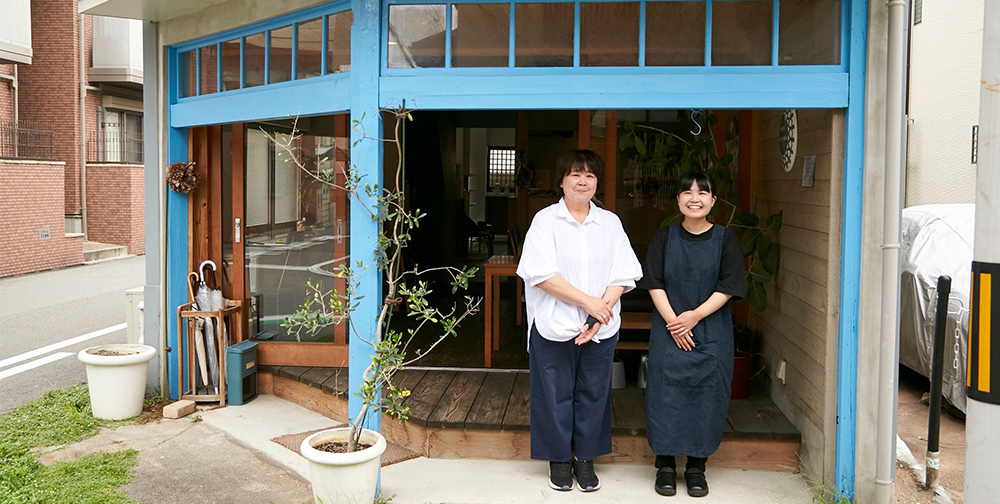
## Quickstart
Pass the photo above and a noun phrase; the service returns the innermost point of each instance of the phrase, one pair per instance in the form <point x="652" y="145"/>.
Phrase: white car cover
<point x="936" y="240"/>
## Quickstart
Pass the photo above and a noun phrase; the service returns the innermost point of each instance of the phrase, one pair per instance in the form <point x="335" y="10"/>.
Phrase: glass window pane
<point x="741" y="33"/>
<point x="809" y="32"/>
<point x="189" y="84"/>
<point x="281" y="55"/>
<point x="231" y="65"/>
<point x="253" y="60"/>
<point x="416" y="36"/>
<point x="295" y="226"/>
<point x="675" y="33"/>
<point x="309" y="57"/>
<point x="609" y="34"/>
<point x="339" y="42"/>
<point x="480" y="35"/>
<point x="544" y="34"/>
<point x="209" y="70"/>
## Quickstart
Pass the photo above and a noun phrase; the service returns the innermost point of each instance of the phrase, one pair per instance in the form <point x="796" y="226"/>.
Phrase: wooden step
<point x="477" y="414"/>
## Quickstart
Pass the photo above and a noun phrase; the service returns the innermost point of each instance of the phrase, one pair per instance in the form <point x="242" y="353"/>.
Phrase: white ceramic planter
<point x="117" y="383"/>
<point x="343" y="478"/>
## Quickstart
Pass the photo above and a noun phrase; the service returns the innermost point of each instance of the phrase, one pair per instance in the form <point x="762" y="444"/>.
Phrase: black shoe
<point x="666" y="481"/>
<point x="697" y="485"/>
<point x="586" y="478"/>
<point x="561" y="476"/>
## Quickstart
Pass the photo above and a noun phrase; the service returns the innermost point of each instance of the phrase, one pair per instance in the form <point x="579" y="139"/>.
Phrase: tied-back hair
<point x="705" y="182"/>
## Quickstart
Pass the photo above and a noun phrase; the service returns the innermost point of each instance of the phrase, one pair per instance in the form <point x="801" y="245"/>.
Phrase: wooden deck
<point x="485" y="414"/>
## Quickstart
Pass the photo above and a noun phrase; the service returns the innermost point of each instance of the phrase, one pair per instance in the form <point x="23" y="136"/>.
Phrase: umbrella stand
<point x="187" y="380"/>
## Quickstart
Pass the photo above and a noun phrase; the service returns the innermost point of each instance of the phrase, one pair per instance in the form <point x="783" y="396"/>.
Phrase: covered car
<point x="936" y="240"/>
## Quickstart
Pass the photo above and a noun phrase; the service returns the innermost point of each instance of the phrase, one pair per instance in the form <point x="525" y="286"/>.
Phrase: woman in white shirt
<point x="576" y="262"/>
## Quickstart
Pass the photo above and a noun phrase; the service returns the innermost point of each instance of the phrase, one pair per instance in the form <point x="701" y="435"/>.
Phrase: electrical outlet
<point x="781" y="372"/>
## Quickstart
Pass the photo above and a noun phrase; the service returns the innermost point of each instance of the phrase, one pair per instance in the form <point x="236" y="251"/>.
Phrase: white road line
<point x="62" y="344"/>
<point x="48" y="359"/>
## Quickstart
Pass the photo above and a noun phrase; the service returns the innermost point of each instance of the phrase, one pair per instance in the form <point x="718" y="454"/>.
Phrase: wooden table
<point x="496" y="267"/>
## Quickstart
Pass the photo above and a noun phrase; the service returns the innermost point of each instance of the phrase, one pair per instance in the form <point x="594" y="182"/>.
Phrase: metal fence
<point x="114" y="147"/>
<point x="26" y="140"/>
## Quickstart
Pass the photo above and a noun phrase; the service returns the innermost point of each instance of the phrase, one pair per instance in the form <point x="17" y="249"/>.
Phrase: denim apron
<point x="687" y="393"/>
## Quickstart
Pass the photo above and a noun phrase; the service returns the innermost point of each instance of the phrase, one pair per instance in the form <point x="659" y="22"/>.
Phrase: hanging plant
<point x="182" y="177"/>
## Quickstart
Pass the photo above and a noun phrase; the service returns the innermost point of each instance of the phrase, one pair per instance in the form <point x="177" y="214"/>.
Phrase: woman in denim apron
<point x="692" y="270"/>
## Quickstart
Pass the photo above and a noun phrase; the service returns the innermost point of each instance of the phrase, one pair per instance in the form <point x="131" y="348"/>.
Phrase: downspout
<point x="888" y="365"/>
<point x="83" y="133"/>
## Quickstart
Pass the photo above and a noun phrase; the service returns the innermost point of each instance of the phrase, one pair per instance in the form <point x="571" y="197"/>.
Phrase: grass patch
<point x="59" y="417"/>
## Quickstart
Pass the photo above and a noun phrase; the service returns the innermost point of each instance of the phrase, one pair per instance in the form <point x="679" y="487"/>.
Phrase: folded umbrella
<point x="199" y="330"/>
<point x="205" y="298"/>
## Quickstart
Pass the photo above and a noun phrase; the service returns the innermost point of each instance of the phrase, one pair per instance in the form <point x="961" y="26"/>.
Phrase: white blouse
<point x="590" y="256"/>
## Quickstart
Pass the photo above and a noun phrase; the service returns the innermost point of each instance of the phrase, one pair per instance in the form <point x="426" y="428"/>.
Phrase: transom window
<point x="614" y="33"/>
<point x="315" y="46"/>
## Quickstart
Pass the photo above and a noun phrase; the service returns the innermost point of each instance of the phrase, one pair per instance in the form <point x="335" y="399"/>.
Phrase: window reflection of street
<point x="281" y="270"/>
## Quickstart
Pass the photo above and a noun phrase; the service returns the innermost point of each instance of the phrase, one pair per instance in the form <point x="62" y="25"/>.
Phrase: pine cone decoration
<point x="182" y="177"/>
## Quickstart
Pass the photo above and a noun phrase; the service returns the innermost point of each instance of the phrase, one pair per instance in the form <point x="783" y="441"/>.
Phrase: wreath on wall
<point x="182" y="177"/>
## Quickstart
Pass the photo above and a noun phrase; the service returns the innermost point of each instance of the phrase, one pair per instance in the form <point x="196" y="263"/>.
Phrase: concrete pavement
<point x="229" y="457"/>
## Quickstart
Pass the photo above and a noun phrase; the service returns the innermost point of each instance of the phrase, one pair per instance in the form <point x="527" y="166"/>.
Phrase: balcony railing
<point x="25" y="140"/>
<point x="114" y="147"/>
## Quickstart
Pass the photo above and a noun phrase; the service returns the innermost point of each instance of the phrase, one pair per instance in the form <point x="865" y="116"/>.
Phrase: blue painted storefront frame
<point x="371" y="84"/>
<point x="850" y="254"/>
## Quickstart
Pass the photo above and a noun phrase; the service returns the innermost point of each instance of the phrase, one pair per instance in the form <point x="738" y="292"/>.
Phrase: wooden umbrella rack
<point x="187" y="372"/>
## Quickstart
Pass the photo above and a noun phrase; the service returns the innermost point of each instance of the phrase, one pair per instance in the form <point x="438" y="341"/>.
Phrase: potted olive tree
<point x="344" y="462"/>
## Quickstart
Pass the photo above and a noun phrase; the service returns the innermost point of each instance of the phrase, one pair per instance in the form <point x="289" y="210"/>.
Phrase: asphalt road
<point x="50" y="307"/>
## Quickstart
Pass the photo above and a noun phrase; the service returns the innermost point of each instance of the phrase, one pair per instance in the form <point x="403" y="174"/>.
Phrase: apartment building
<point x="70" y="136"/>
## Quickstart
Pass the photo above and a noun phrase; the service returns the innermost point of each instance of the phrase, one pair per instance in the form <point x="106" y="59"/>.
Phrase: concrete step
<point x="94" y="251"/>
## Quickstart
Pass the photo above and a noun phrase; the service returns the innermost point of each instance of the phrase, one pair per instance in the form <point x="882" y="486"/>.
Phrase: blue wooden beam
<point x="317" y="95"/>
<point x="600" y="90"/>
<point x="366" y="159"/>
<point x="850" y="256"/>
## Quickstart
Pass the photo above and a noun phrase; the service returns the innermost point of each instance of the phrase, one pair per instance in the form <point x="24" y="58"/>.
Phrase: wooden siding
<point x="799" y="326"/>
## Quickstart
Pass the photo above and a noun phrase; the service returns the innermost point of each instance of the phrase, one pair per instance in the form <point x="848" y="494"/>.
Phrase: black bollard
<point x="933" y="461"/>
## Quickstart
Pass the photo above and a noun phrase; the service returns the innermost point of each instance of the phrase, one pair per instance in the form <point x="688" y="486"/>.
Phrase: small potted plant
<point x="116" y="379"/>
<point x="344" y="462"/>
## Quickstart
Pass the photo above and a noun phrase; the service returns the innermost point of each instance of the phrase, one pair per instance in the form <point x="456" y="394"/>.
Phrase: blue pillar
<point x="366" y="159"/>
<point x="850" y="254"/>
<point x="177" y="232"/>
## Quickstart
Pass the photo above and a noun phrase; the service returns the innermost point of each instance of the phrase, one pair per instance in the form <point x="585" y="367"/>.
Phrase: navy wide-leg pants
<point x="570" y="398"/>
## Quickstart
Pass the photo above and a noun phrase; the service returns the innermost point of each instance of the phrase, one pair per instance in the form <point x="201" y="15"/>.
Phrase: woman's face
<point x="695" y="203"/>
<point x="579" y="186"/>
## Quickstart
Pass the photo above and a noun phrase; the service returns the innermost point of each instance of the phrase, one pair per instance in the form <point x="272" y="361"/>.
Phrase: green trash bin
<point x="241" y="373"/>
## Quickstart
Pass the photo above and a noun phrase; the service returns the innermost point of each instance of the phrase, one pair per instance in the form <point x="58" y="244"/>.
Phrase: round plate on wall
<point x="788" y="137"/>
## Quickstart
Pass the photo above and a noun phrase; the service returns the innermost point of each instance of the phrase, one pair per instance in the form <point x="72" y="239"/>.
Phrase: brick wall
<point x="31" y="197"/>
<point x="115" y="205"/>
<point x="49" y="90"/>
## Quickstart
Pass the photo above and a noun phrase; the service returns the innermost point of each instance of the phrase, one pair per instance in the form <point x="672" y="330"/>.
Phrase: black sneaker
<point x="697" y="485"/>
<point x="586" y="478"/>
<point x="561" y="476"/>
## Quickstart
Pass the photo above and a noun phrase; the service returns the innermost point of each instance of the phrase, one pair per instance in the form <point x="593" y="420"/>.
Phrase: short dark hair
<point x="580" y="160"/>
<point x="705" y="183"/>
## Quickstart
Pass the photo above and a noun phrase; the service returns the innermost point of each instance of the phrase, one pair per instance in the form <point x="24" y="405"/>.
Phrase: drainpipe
<point x="982" y="425"/>
<point x="888" y="365"/>
<point x="83" y="133"/>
